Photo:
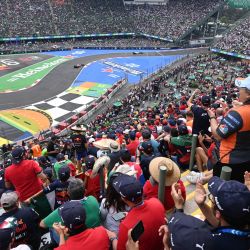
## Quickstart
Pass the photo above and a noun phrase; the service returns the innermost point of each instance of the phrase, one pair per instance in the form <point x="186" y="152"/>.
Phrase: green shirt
<point x="91" y="207"/>
<point x="60" y="164"/>
<point x="182" y="140"/>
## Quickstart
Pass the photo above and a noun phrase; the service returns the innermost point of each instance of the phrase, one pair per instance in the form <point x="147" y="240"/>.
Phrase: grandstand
<point x="143" y="93"/>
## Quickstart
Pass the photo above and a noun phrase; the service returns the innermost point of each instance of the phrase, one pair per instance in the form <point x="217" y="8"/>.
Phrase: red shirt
<point x="92" y="186"/>
<point x="150" y="239"/>
<point x="150" y="191"/>
<point x="89" y="239"/>
<point x="23" y="177"/>
<point x="132" y="146"/>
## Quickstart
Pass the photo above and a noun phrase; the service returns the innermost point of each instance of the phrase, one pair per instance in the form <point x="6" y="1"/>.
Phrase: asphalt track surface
<point x="59" y="79"/>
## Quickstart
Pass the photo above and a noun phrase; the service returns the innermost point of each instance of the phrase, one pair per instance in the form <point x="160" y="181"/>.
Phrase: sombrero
<point x="103" y="143"/>
<point x="173" y="171"/>
<point x="79" y="128"/>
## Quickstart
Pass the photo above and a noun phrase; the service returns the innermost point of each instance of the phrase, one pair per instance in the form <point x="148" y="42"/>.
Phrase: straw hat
<point x="100" y="162"/>
<point x="173" y="171"/>
<point x="79" y="128"/>
<point x="103" y="143"/>
<point x="114" y="146"/>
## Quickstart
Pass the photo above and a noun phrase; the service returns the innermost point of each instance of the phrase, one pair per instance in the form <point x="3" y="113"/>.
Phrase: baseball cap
<point x="64" y="173"/>
<point x="89" y="161"/>
<point x="206" y="100"/>
<point x="49" y="172"/>
<point x="132" y="135"/>
<point x="42" y="159"/>
<point x="128" y="187"/>
<point x="147" y="147"/>
<point x="172" y="122"/>
<point x="73" y="216"/>
<point x="60" y="157"/>
<point x="243" y="83"/>
<point x="91" y="140"/>
<point x="183" y="130"/>
<point x="166" y="129"/>
<point x="17" y="154"/>
<point x="9" y="199"/>
<point x="232" y="198"/>
<point x="188" y="232"/>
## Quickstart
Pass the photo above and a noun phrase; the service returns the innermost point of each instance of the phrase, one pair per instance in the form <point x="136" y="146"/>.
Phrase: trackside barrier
<point x="226" y="173"/>
<point x="161" y="187"/>
<point x="193" y="149"/>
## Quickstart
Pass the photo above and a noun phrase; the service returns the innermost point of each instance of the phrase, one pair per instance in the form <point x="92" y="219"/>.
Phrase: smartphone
<point x="137" y="231"/>
<point x="119" y="216"/>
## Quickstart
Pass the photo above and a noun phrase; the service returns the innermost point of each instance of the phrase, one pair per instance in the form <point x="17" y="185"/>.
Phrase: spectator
<point x="26" y="177"/>
<point x="201" y="118"/>
<point x="76" y="192"/>
<point x="80" y="144"/>
<point x="230" y="213"/>
<point x="111" y="205"/>
<point x="53" y="149"/>
<point x="131" y="192"/>
<point x="74" y="218"/>
<point x="232" y="133"/>
<point x="114" y="154"/>
<point x="27" y="231"/>
<point x="61" y="162"/>
<point x="150" y="188"/>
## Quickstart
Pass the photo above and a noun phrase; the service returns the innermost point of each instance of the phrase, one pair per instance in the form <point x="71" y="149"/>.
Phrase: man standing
<point x="80" y="144"/>
<point x="24" y="175"/>
<point x="201" y="119"/>
<point x="52" y="149"/>
<point x="233" y="132"/>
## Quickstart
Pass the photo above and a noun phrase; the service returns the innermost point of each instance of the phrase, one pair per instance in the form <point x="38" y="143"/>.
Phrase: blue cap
<point x="147" y="147"/>
<point x="73" y="216"/>
<point x="232" y="198"/>
<point x="17" y="154"/>
<point x="64" y="173"/>
<point x="89" y="161"/>
<point x="128" y="187"/>
<point x="183" y="130"/>
<point x="188" y="232"/>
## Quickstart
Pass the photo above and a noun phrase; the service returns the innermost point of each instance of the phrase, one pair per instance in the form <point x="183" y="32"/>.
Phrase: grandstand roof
<point x="245" y="4"/>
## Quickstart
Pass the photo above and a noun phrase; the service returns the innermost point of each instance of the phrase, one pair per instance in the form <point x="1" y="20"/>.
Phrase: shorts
<point x="238" y="170"/>
<point x="80" y="155"/>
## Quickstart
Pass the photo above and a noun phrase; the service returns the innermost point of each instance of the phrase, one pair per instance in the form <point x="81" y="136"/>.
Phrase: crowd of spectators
<point x="126" y="152"/>
<point x="48" y="17"/>
<point x="237" y="39"/>
<point x="135" y="42"/>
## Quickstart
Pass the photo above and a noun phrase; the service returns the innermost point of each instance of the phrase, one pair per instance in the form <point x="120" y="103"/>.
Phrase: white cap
<point x="91" y="140"/>
<point x="243" y="83"/>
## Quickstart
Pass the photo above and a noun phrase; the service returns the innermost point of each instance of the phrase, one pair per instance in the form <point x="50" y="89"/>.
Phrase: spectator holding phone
<point x="111" y="206"/>
<point x="201" y="118"/>
<point x="131" y="193"/>
<point x="233" y="132"/>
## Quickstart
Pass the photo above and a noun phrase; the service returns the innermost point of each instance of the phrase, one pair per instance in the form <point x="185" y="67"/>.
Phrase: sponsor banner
<point x="124" y="68"/>
<point x="29" y="76"/>
<point x="231" y="54"/>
